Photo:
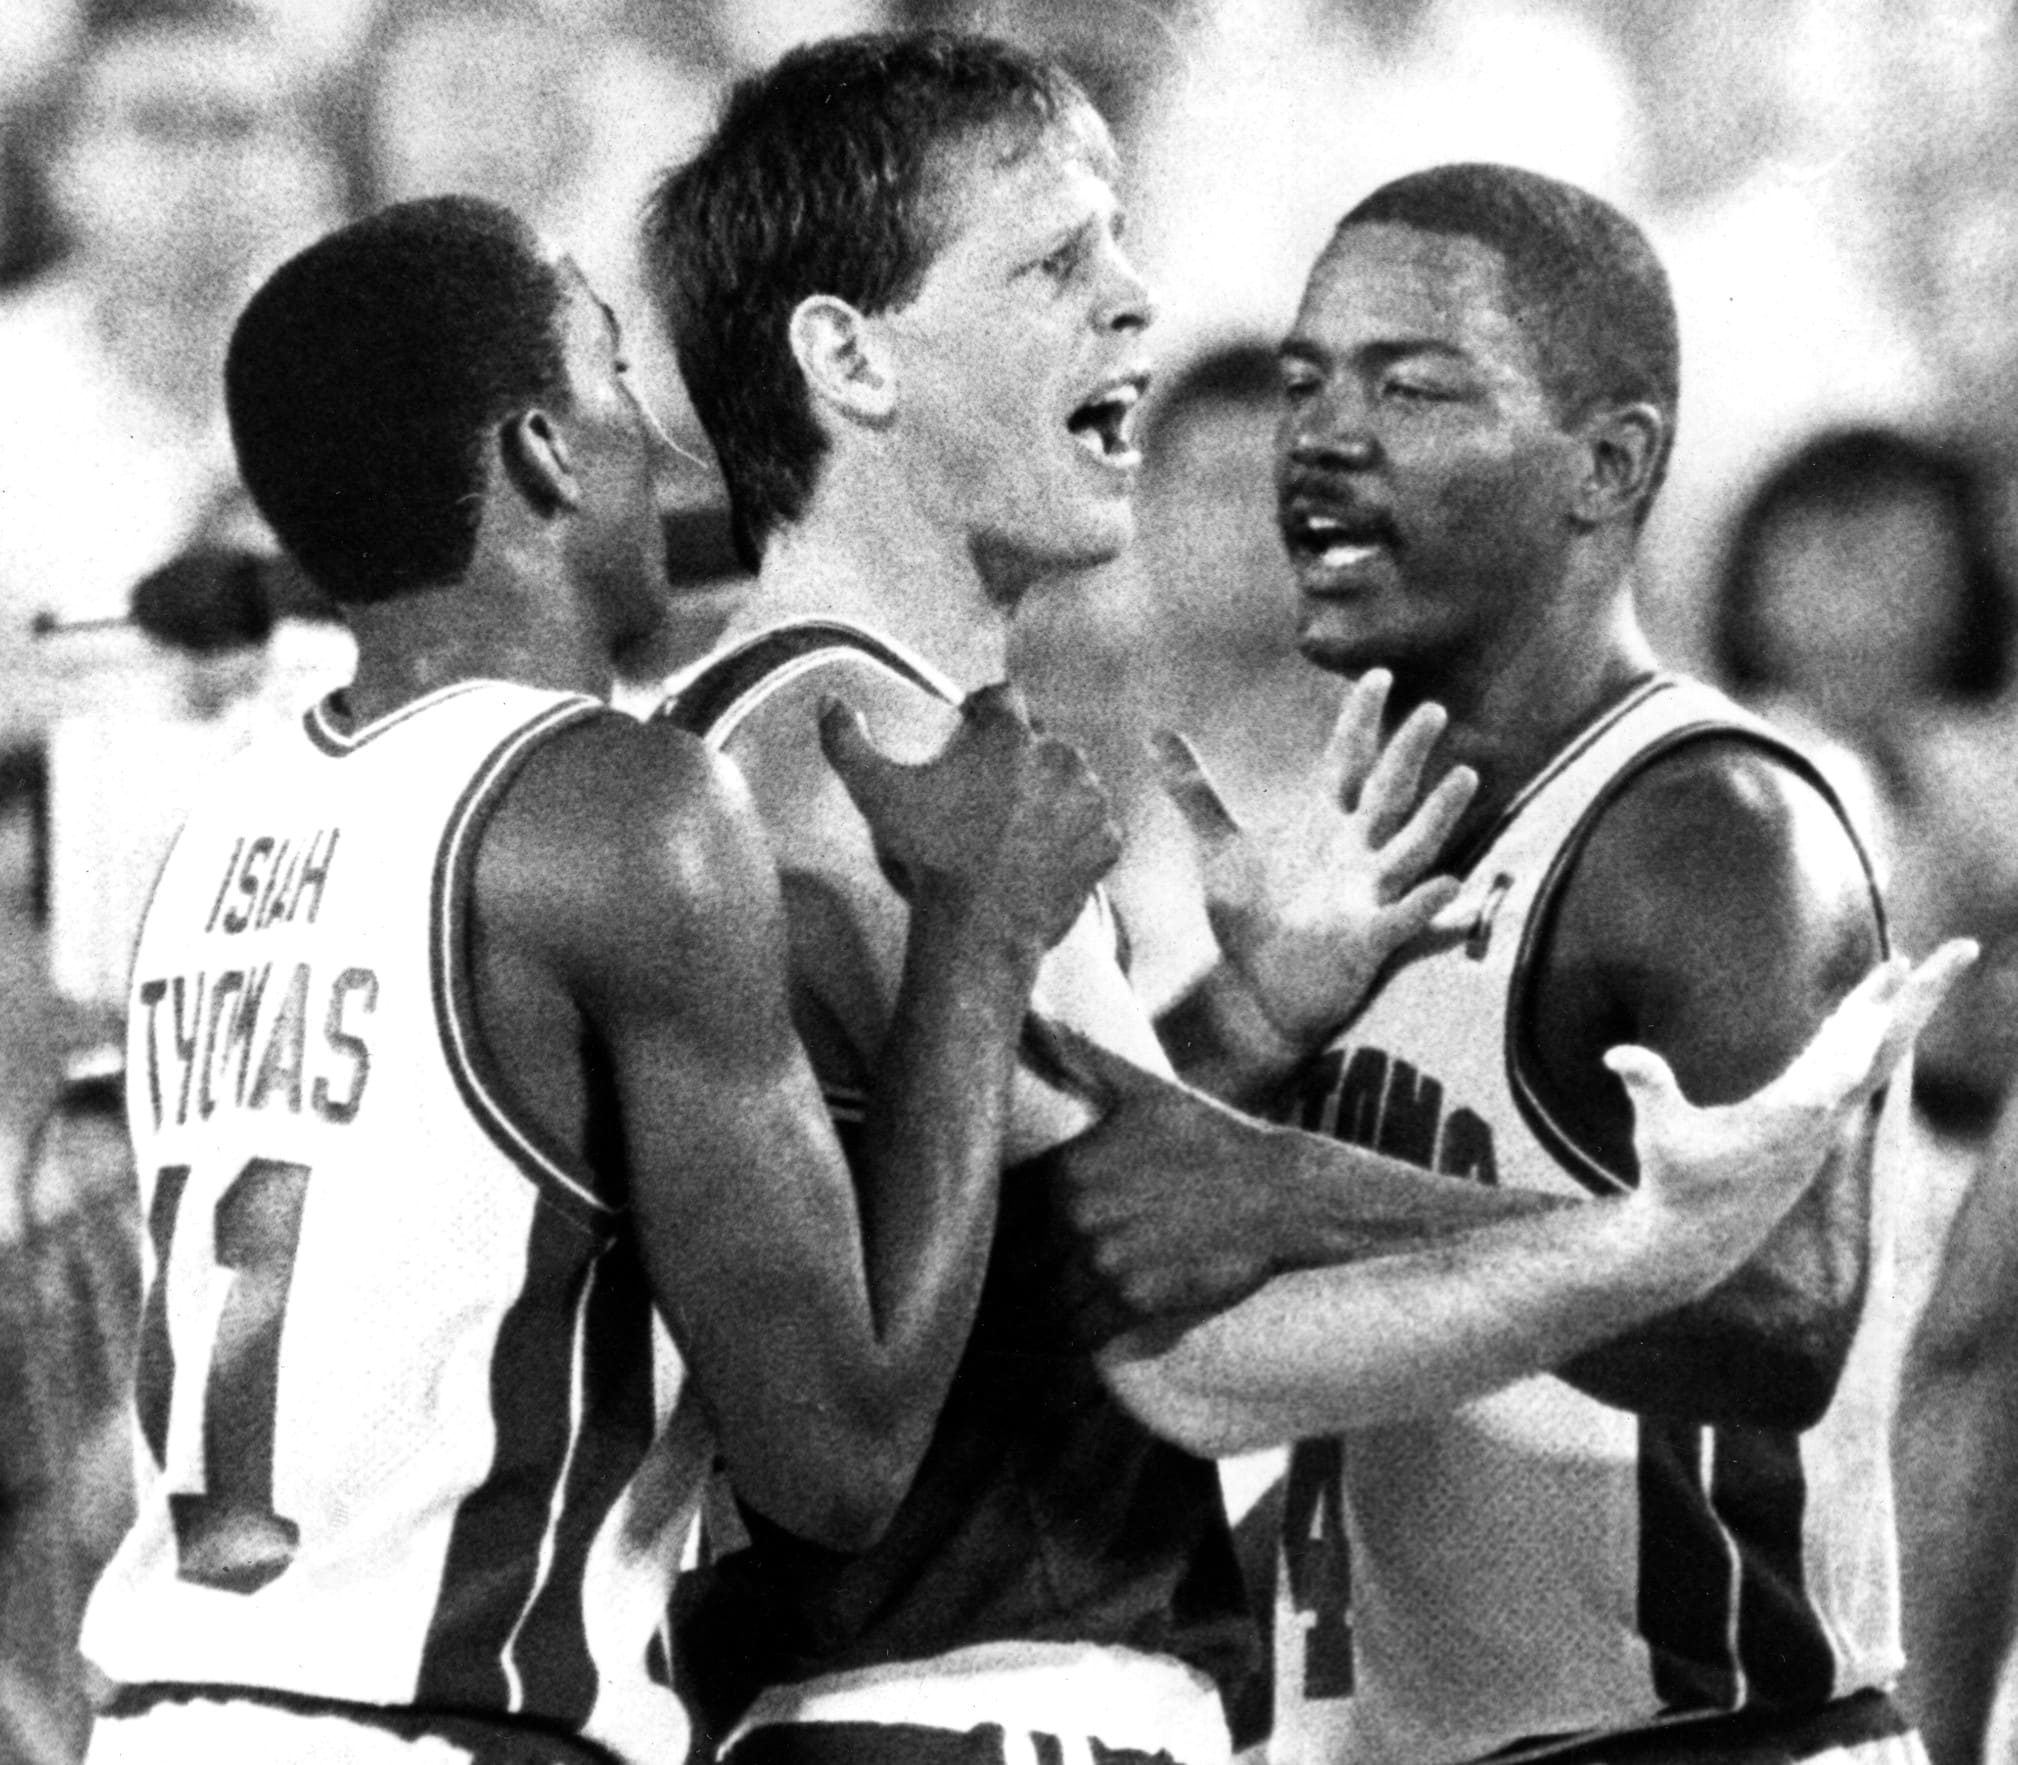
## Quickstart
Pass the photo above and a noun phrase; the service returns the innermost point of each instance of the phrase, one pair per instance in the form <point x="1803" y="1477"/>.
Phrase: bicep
<point x="1717" y="918"/>
<point x="1717" y="912"/>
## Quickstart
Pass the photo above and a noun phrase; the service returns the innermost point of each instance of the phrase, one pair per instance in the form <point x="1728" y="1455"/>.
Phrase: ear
<point x="1623" y="445"/>
<point x="536" y="460"/>
<point x="844" y="357"/>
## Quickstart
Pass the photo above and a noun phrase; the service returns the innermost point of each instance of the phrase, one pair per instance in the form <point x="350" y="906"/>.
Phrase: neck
<point x="1512" y="712"/>
<point x="479" y="628"/>
<point x="851" y="558"/>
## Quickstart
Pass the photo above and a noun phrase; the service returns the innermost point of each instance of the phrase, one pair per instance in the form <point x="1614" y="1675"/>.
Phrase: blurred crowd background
<point x="1832" y="184"/>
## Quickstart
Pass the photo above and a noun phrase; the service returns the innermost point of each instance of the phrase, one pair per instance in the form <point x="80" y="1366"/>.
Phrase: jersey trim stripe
<point x="614" y="1382"/>
<point x="319" y="720"/>
<point x="545" y="1577"/>
<point x="560" y="1174"/>
<point x="499" y="1545"/>
<point x="1761" y="1495"/>
<point x="1466" y="860"/>
<point x="713" y="701"/>
<point x="1688" y="1572"/>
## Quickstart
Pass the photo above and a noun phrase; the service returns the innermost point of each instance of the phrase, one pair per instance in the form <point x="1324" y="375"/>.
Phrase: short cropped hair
<point x="1848" y="470"/>
<point x="1582" y="281"/>
<point x="365" y="377"/>
<point x="825" y="175"/>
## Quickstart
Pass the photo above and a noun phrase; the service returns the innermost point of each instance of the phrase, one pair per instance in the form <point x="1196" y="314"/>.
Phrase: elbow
<point x="842" y="1494"/>
<point x="1803" y="1362"/>
<point x="1799" y="1395"/>
<point x="1168" y="1409"/>
<point x="851" y="1523"/>
<point x="1789" y="1379"/>
<point x="866" y="1499"/>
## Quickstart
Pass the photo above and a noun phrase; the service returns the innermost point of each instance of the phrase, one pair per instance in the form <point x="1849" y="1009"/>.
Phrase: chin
<point x="1013" y="566"/>
<point x="1340" y="648"/>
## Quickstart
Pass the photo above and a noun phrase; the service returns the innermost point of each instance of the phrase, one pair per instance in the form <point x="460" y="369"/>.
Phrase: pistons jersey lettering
<point x="1538" y="1565"/>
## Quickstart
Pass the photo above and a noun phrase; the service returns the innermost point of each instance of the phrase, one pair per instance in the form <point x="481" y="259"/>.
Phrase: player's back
<point x="400" y="1377"/>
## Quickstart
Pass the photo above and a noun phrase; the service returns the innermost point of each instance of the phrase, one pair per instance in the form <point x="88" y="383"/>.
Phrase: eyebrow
<point x="1057" y="236"/>
<point x="1379" y="354"/>
<point x="1114" y="221"/>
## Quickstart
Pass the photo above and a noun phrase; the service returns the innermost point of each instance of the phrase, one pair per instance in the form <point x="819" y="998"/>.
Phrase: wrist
<point x="1247" y="1026"/>
<point x="970" y="929"/>
<point x="1679" y="1254"/>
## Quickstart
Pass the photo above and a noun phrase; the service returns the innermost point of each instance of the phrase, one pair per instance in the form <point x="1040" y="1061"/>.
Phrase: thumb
<point x="1649" y="1081"/>
<point x="863" y="767"/>
<point x="1071" y="1062"/>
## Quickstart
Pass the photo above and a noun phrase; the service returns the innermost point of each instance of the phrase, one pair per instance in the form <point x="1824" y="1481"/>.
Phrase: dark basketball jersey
<point x="1043" y="1512"/>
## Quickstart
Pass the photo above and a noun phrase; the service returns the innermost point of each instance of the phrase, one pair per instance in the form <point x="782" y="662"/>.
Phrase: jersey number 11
<point x="228" y="1537"/>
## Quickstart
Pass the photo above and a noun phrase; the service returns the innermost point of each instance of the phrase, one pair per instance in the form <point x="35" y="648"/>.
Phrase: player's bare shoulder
<point x="1723" y="838"/>
<point x="619" y="836"/>
<point x="776" y="747"/>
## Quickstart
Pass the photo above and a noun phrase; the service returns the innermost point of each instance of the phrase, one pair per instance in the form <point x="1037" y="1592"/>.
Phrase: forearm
<point x="1340" y="1203"/>
<point x="932" y="1143"/>
<point x="1958" y="1536"/>
<point x="1326" y="1350"/>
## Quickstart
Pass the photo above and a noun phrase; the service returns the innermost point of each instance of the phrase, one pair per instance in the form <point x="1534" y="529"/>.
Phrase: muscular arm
<point x="1323" y="1350"/>
<point x="626" y="901"/>
<point x="1715" y="915"/>
<point x="1957" y="1444"/>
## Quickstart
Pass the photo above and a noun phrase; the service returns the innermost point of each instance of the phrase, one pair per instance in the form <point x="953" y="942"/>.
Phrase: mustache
<point x="1303" y="499"/>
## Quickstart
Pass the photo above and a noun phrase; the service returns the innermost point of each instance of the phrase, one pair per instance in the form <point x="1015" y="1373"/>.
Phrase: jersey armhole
<point x="563" y="1177"/>
<point x="1578" y="1160"/>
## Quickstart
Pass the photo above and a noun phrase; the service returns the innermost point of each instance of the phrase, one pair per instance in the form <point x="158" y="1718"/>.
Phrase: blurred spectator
<point x="1267" y="122"/>
<point x="1761" y="215"/>
<point x="69" y="1318"/>
<point x="185" y="158"/>
<point x="1195" y="631"/>
<point x="1863" y="600"/>
<point x="182" y="164"/>
<point x="559" y="110"/>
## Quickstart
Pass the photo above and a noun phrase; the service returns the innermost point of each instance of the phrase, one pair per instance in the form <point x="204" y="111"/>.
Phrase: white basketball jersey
<point x="1541" y="1565"/>
<point x="406" y="1412"/>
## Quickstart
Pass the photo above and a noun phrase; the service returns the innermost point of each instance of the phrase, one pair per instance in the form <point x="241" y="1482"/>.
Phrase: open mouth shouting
<point x="1328" y="542"/>
<point x="1104" y="424"/>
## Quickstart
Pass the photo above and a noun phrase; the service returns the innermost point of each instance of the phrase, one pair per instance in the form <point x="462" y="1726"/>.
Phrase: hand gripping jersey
<point x="403" y="1397"/>
<point x="1539" y="1564"/>
<point x="1044" y="1516"/>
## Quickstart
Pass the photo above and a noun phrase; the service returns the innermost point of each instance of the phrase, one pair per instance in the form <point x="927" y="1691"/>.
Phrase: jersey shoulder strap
<point x="717" y="693"/>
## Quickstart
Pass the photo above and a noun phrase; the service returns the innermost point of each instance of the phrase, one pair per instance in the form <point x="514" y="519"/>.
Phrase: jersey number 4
<point x="1317" y="1559"/>
<point x="229" y="1537"/>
